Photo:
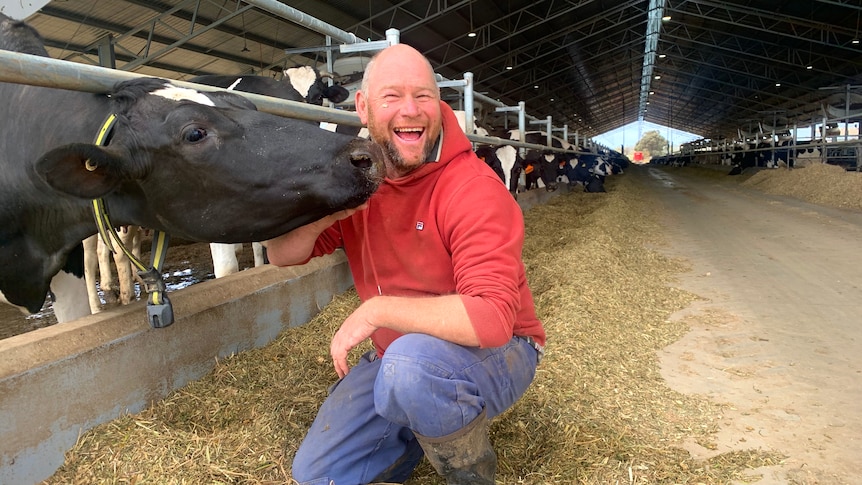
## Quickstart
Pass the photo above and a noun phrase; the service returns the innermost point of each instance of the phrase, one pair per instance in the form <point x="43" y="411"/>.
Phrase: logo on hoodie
<point x="420" y="225"/>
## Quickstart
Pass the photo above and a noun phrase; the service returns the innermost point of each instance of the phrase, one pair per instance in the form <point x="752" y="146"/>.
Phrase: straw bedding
<point x="597" y="413"/>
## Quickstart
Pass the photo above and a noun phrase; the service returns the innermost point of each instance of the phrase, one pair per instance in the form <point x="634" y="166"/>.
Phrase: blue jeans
<point x="363" y="432"/>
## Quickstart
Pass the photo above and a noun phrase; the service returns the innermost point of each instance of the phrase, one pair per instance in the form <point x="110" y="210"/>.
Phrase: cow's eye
<point x="195" y="134"/>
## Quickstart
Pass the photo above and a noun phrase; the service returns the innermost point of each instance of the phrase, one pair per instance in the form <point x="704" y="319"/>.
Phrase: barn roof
<point x="595" y="65"/>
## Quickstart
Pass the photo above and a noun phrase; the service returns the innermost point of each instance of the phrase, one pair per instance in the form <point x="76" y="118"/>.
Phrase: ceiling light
<point x="809" y="67"/>
<point x="665" y="18"/>
<point x="471" y="33"/>
<point x="508" y="68"/>
<point x="657" y="77"/>
<point x="652" y="92"/>
<point x="777" y="85"/>
<point x="662" y="56"/>
<point x="535" y="86"/>
<point x="854" y="41"/>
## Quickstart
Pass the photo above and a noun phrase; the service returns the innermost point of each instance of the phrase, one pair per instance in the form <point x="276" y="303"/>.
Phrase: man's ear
<point x="361" y="107"/>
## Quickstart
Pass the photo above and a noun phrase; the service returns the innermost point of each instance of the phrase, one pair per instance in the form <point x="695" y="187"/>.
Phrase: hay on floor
<point x="598" y="412"/>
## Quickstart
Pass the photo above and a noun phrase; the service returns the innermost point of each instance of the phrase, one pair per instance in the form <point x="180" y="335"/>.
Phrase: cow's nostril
<point x="361" y="160"/>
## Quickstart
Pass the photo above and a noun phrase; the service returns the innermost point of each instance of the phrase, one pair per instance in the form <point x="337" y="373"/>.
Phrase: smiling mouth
<point x="409" y="134"/>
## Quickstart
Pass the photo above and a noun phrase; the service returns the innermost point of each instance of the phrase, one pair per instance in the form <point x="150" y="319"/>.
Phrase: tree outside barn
<point x="624" y="139"/>
<point x="652" y="144"/>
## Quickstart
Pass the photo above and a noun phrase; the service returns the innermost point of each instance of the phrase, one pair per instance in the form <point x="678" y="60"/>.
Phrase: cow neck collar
<point x="159" y="309"/>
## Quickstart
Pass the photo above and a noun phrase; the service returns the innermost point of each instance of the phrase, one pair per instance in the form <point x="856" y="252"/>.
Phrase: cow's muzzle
<point x="368" y="156"/>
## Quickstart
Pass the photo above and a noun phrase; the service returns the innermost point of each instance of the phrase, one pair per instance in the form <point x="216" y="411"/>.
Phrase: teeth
<point x="417" y="130"/>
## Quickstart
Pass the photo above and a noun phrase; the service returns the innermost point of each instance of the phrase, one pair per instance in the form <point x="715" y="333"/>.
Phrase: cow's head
<point x="209" y="167"/>
<point x="309" y="82"/>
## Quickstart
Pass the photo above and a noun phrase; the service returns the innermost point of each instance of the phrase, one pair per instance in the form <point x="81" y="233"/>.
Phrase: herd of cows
<point x="177" y="160"/>
<point x="783" y="152"/>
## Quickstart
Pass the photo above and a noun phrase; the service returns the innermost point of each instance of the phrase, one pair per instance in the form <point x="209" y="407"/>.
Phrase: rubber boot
<point x="464" y="457"/>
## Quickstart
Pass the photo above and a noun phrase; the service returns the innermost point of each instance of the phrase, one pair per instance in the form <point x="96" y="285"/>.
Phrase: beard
<point x="396" y="162"/>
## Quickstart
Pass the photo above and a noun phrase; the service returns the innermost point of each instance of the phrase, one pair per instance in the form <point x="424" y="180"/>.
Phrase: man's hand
<point x="355" y="329"/>
<point x="444" y="317"/>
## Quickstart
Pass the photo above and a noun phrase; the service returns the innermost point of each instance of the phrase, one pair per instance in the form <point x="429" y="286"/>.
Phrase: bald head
<point x="397" y="55"/>
<point x="399" y="101"/>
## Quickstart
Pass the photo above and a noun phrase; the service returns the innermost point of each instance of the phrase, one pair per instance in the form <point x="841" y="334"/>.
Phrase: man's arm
<point x="444" y="317"/>
<point x="296" y="246"/>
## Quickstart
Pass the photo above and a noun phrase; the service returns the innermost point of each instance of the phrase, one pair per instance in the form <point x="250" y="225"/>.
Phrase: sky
<point x="630" y="134"/>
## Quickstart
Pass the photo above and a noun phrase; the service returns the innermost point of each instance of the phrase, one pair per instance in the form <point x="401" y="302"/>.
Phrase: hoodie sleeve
<point x="327" y="242"/>
<point x="484" y="228"/>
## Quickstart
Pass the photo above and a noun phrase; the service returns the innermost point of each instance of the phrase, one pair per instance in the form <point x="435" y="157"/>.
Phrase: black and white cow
<point x="540" y="165"/>
<point x="309" y="82"/>
<point x="201" y="166"/>
<point x="225" y="260"/>
<point x="505" y="161"/>
<point x="585" y="169"/>
<point x="302" y="83"/>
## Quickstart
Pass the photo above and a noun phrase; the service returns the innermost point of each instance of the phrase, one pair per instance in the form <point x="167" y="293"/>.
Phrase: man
<point x="436" y="260"/>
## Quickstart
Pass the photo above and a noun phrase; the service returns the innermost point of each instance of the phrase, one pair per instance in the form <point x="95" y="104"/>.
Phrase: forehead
<point x="399" y="69"/>
<point x="175" y="93"/>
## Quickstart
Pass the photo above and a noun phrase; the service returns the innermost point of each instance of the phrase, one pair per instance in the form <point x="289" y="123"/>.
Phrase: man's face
<point x="402" y="110"/>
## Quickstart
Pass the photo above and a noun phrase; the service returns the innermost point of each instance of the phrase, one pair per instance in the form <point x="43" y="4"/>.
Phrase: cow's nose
<point x="367" y="155"/>
<point x="361" y="158"/>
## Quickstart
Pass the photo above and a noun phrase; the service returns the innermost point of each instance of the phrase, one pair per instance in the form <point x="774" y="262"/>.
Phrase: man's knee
<point x="417" y="388"/>
<point x="413" y="364"/>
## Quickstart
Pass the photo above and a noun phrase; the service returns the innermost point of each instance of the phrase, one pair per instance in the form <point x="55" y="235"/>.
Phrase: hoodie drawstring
<point x="366" y="247"/>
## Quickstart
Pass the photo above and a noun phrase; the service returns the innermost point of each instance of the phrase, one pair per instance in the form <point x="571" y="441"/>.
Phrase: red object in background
<point x="639" y="156"/>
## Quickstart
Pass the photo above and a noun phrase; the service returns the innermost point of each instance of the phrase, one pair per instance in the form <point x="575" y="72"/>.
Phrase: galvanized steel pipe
<point x="19" y="68"/>
<point x="302" y="18"/>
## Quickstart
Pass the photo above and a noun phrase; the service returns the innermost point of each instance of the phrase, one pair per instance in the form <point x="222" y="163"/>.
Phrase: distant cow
<point x="303" y="83"/>
<point x="540" y="165"/>
<point x="505" y="162"/>
<point x="201" y="166"/>
<point x="587" y="170"/>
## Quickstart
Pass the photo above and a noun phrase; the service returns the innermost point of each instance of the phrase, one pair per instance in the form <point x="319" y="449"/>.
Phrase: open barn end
<point x="59" y="381"/>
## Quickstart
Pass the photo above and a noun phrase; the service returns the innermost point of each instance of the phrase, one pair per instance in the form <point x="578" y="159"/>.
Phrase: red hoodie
<point x="448" y="227"/>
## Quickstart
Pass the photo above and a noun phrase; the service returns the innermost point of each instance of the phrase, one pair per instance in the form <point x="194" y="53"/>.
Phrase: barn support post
<point x="522" y="122"/>
<point x="565" y="130"/>
<point x="107" y="56"/>
<point x="466" y="87"/>
<point x="823" y="128"/>
<point x="469" y="122"/>
<point x="393" y="36"/>
<point x="793" y="143"/>
<point x="547" y="123"/>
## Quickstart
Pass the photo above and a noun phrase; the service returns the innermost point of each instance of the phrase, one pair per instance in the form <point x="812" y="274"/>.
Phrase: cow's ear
<point x="336" y="93"/>
<point x="81" y="170"/>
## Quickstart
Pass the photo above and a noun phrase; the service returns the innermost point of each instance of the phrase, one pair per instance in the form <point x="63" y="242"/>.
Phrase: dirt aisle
<point x="778" y="337"/>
